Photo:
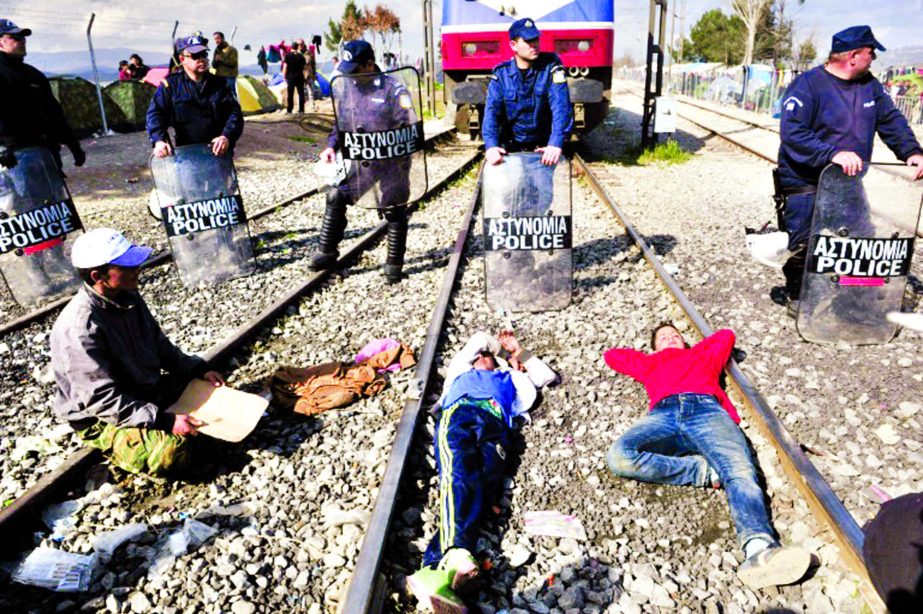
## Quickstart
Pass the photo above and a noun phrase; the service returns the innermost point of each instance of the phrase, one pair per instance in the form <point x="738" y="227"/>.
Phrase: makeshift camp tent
<point x="156" y="74"/>
<point x="79" y="100"/>
<point x="254" y="96"/>
<point x="132" y="98"/>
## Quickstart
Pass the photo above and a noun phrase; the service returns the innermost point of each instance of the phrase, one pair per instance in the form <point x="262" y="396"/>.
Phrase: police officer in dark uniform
<point x="199" y="106"/>
<point x="381" y="102"/>
<point x="830" y="115"/>
<point x="528" y="104"/>
<point x="29" y="113"/>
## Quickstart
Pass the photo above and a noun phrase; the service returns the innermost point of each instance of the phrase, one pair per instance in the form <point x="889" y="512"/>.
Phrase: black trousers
<point x="295" y="86"/>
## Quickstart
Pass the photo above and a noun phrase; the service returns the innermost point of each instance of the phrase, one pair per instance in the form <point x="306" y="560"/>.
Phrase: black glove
<point x="80" y="156"/>
<point x="7" y="157"/>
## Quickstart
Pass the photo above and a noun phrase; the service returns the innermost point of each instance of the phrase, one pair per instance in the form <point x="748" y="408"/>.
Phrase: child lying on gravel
<point x="477" y="410"/>
<point x="691" y="437"/>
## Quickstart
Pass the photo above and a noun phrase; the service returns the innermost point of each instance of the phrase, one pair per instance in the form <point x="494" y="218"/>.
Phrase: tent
<point x="132" y="98"/>
<point x="81" y="106"/>
<point x="255" y="96"/>
<point x="156" y="74"/>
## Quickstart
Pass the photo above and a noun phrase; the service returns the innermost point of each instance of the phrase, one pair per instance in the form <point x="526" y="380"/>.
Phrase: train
<point x="474" y="40"/>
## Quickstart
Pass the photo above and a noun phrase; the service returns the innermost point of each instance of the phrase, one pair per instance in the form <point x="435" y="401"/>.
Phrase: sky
<point x="146" y="24"/>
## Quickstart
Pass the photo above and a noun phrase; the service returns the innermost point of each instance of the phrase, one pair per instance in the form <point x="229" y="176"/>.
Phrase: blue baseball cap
<point x="355" y="54"/>
<point x="525" y="29"/>
<point x="855" y="37"/>
<point x="8" y="27"/>
<point x="192" y="44"/>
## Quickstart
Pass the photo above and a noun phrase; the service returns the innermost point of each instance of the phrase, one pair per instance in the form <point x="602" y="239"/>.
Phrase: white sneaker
<point x="774" y="567"/>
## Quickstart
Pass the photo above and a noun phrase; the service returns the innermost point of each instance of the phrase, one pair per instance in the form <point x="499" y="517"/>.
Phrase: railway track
<point x="165" y="257"/>
<point x="61" y="479"/>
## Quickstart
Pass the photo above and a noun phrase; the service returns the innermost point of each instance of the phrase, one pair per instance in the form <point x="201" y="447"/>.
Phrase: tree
<point x="333" y="36"/>
<point x="384" y="24"/>
<point x="716" y="37"/>
<point x="352" y="23"/>
<point x="806" y="54"/>
<point x="750" y="12"/>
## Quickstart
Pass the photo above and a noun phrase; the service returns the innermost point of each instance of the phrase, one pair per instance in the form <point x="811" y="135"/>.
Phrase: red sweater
<point x="673" y="371"/>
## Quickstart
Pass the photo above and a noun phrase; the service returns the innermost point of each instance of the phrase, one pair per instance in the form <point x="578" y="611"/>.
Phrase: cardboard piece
<point x="228" y="414"/>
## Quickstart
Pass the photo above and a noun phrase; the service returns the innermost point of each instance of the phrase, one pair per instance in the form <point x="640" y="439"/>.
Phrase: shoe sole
<point x="788" y="566"/>
<point x="437" y="603"/>
<point x="463" y="578"/>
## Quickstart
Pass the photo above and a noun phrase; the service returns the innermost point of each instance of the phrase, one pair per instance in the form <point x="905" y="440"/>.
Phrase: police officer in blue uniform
<point x="377" y="103"/>
<point x="528" y="104"/>
<point x="198" y="105"/>
<point x="830" y="114"/>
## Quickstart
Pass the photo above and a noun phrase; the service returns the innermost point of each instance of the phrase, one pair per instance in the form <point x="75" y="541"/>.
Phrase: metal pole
<point x="233" y="32"/>
<point x="429" y="59"/>
<point x="99" y="91"/>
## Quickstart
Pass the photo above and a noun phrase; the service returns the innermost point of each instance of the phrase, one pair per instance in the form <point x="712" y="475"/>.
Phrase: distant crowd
<point x="133" y="69"/>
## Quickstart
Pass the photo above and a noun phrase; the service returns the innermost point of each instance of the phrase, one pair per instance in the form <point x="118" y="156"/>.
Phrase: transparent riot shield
<point x="528" y="234"/>
<point x="859" y="255"/>
<point x="38" y="223"/>
<point x="203" y="214"/>
<point x="380" y="132"/>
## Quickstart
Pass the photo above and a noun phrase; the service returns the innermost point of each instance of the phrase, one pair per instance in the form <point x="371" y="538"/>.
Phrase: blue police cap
<point x="855" y="37"/>
<point x="354" y="54"/>
<point x="192" y="44"/>
<point x="8" y="27"/>
<point x="524" y="29"/>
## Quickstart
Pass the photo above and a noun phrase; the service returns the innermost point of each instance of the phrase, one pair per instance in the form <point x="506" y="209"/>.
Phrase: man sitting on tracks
<point x="477" y="412"/>
<point x="109" y="354"/>
<point x="691" y="437"/>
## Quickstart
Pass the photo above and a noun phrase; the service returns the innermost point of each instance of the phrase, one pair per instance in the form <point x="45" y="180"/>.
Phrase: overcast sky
<point x="895" y="22"/>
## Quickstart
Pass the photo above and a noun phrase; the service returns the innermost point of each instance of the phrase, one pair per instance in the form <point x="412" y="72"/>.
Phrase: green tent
<point x="254" y="96"/>
<point x="81" y="105"/>
<point x="132" y="98"/>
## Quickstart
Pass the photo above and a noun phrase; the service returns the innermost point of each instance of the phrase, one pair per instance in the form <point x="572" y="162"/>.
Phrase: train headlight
<point x="583" y="46"/>
<point x="573" y="45"/>
<point x="480" y="48"/>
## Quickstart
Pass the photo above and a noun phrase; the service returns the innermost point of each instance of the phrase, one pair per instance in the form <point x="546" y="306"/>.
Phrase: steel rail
<point x="363" y="593"/>
<point x="24" y="508"/>
<point x="163" y="257"/>
<point x="799" y="469"/>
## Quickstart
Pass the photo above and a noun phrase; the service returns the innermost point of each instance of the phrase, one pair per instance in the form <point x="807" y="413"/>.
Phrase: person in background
<point x="124" y="71"/>
<point x="293" y="67"/>
<point x="224" y="61"/>
<point x="310" y="73"/>
<point x="691" y="437"/>
<point x="261" y="59"/>
<point x="115" y="371"/>
<point x="30" y="115"/>
<point x="137" y="67"/>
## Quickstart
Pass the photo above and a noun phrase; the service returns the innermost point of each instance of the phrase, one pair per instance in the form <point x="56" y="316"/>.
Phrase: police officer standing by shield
<point x="29" y="113"/>
<point x="370" y="102"/>
<point x="830" y="115"/>
<point x="528" y="104"/>
<point x="199" y="106"/>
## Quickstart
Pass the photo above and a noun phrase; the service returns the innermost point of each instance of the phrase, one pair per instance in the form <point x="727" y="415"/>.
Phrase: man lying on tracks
<point x="477" y="413"/>
<point x="108" y="354"/>
<point x="691" y="437"/>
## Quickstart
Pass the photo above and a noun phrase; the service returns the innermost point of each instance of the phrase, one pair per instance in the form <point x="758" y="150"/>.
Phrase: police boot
<point x="331" y="232"/>
<point x="397" y="243"/>
<point x="793" y="269"/>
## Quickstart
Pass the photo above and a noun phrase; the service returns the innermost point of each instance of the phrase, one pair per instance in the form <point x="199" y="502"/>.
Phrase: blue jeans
<point x="676" y="443"/>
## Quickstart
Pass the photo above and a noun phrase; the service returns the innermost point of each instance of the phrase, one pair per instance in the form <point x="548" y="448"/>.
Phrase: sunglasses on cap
<point x="199" y="55"/>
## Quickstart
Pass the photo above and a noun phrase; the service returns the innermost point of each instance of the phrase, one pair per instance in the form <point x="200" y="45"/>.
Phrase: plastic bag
<point x="177" y="543"/>
<point x="105" y="544"/>
<point x="56" y="570"/>
<point x="60" y="517"/>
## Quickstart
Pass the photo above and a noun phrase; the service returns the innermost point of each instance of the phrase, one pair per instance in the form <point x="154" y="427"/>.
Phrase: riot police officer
<point x="528" y="104"/>
<point x="29" y="113"/>
<point x="380" y="102"/>
<point x="198" y="105"/>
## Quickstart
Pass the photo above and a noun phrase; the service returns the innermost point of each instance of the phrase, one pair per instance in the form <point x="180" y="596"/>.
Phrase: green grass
<point x="298" y="138"/>
<point x="667" y="153"/>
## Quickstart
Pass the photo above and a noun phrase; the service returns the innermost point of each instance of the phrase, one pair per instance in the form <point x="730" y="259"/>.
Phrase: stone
<point x="519" y="555"/>
<point x="571" y="598"/>
<point x="139" y="603"/>
<point x="243" y="607"/>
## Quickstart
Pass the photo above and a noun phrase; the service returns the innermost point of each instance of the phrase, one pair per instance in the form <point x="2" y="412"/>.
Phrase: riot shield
<point x="38" y="223"/>
<point x="380" y="134"/>
<point x="528" y="233"/>
<point x="203" y="214"/>
<point x="859" y="255"/>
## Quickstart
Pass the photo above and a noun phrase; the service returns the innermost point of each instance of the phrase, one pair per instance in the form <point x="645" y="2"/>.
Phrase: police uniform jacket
<point x="29" y="113"/>
<point x="107" y="356"/>
<point x="380" y="103"/>
<point x="528" y="108"/>
<point x="823" y="115"/>
<point x="198" y="112"/>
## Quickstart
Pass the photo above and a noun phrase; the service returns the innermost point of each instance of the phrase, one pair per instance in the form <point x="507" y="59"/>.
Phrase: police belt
<point x="799" y="189"/>
<point x="488" y="405"/>
<point x="515" y="147"/>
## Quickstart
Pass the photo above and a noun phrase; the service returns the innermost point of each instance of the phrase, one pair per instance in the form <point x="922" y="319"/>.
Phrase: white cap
<point x="107" y="246"/>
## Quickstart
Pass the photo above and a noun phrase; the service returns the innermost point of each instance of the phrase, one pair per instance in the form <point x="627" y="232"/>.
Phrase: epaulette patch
<point x="558" y="74"/>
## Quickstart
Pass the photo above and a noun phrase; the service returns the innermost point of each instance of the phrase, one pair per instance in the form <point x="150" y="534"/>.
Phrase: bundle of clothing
<point x="312" y="390"/>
